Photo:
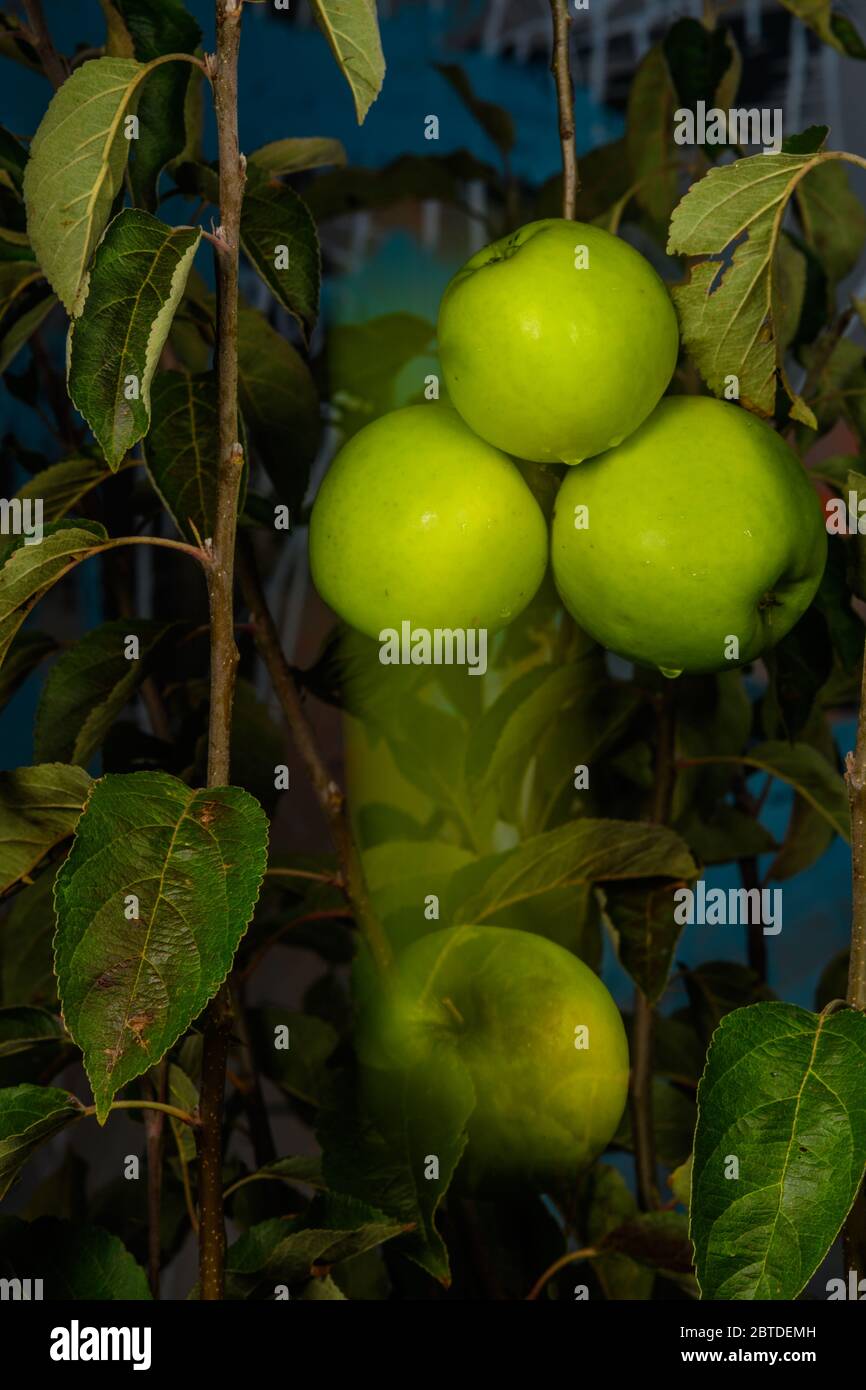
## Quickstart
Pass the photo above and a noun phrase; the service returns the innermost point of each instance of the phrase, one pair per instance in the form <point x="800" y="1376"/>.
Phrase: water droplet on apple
<point x="670" y="672"/>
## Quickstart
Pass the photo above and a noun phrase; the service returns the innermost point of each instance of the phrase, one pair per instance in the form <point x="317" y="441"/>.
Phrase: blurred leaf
<point x="14" y="46"/>
<point x="182" y="449"/>
<point x="26" y="933"/>
<point x="352" y="32"/>
<point x="440" y="178"/>
<point x="276" y="227"/>
<point x="804" y="768"/>
<point x="28" y="571"/>
<point x="833" y="600"/>
<point x="280" y="406"/>
<point x="62" y="485"/>
<point x="673" y="1123"/>
<point x="154" y="29"/>
<point x="830" y="25"/>
<point x="29" y="1116"/>
<point x="680" y="1182"/>
<point x="74" y="1261"/>
<point x="641" y="918"/>
<point x="298" y="1170"/>
<point x="133" y="288"/>
<point x="494" y="120"/>
<point x="300" y="1069"/>
<point x="652" y="154"/>
<point x="732" y="303"/>
<point x="699" y="60"/>
<point x="833" y="219"/>
<point x="13" y="157"/>
<point x="195" y="861"/>
<point x="782" y="1092"/>
<point x="585" y="851"/>
<point x="39" y="807"/>
<point x="657" y="1239"/>
<point x="89" y="685"/>
<point x="182" y="1092"/>
<point x="726" y="833"/>
<point x="798" y="666"/>
<point x="293" y="156"/>
<point x="833" y="983"/>
<point x="25" y="300"/>
<point x="22" y="1028"/>
<point x="28" y="649"/>
<point x="77" y="160"/>
<point x="608" y="1203"/>
<point x="430" y="1106"/>
<point x="717" y="987"/>
<point x="364" y="360"/>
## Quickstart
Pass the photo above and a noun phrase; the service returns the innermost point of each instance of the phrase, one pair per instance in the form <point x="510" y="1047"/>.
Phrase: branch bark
<point x="53" y="65"/>
<point x="561" y="69"/>
<point x="224" y="654"/>
<point x="328" y="793"/>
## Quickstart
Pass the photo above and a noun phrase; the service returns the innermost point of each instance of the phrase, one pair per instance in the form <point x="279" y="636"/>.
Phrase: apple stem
<point x="561" y="69"/>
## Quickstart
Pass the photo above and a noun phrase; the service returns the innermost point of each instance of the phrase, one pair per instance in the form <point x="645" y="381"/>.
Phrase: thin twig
<point x="53" y="65"/>
<point x="573" y="1257"/>
<point x="561" y="69"/>
<point x="149" y="1105"/>
<point x="224" y="653"/>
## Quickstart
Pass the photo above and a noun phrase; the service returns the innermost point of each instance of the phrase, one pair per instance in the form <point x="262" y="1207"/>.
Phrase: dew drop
<point x="670" y="672"/>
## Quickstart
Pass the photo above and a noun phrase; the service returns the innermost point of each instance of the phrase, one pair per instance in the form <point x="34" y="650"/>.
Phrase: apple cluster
<point x="688" y="538"/>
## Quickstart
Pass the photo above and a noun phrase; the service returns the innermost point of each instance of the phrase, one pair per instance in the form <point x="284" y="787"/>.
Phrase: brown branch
<point x="855" y="776"/>
<point x="53" y="66"/>
<point x="154" y="1126"/>
<point x="224" y="654"/>
<point x="561" y="70"/>
<point x="328" y="793"/>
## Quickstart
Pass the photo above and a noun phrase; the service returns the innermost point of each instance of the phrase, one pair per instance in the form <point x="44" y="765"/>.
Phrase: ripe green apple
<point x="557" y="341"/>
<point x="418" y="519"/>
<point x="540" y="1036"/>
<point x="701" y="528"/>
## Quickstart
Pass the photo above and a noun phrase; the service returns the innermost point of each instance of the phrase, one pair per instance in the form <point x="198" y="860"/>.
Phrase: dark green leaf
<point x="30" y="1115"/>
<point x="833" y="219"/>
<point x="650" y="144"/>
<point x="72" y="1260"/>
<point x="280" y="406"/>
<point x="782" y="1094"/>
<point x="300" y="1069"/>
<point x="130" y="986"/>
<point x="673" y="1123"/>
<point x="608" y="1203"/>
<point x="718" y="987"/>
<point x="641" y="918"/>
<point x="25" y="300"/>
<point x="292" y="156"/>
<point x="697" y="58"/>
<point x="364" y="360"/>
<point x="22" y="1028"/>
<point x="831" y="26"/>
<point x="26" y="933"/>
<point x="138" y="275"/>
<point x="798" y="666"/>
<point x="89" y="685"/>
<point x="441" y="178"/>
<point x="279" y="236"/>
<point x="182" y="449"/>
<point x="39" y="807"/>
<point x="62" y="485"/>
<point x="808" y="772"/>
<point x="657" y="1239"/>
<point x="26" y="652"/>
<point x="28" y="571"/>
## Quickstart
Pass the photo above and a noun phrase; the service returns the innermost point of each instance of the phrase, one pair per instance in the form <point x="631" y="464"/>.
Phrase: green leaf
<point x="725" y="834"/>
<point x="731" y="306"/>
<point x="440" y="178"/>
<point x="25" y="300"/>
<point x="808" y="772"/>
<point x="673" y="1123"/>
<point x="584" y="851"/>
<point x="16" y="47"/>
<point x="831" y="26"/>
<point x="138" y="276"/>
<point x="364" y="360"/>
<point x="154" y="29"/>
<point x="494" y="120"/>
<point x="718" y="987"/>
<point x="182" y="449"/>
<point x="698" y="59"/>
<point x="641" y="918"/>
<point x="658" y="1239"/>
<point x="783" y="1094"/>
<point x="352" y="31"/>
<point x="797" y="666"/>
<point x="26" y="652"/>
<point x="182" y="1092"/>
<point x="277" y="230"/>
<point x="22" y="1027"/>
<point x="297" y="1170"/>
<point x="76" y="167"/>
<point x="62" y="485"/>
<point x="13" y="157"/>
<point x="89" y="685"/>
<point x="26" y="965"/>
<point x="650" y="144"/>
<point x="28" y="571"/>
<point x="605" y="1196"/>
<point x="299" y="1069"/>
<point x="293" y="156"/>
<point x="833" y="219"/>
<point x="335" y="1228"/>
<point x="39" y="807"/>
<point x="29" y="1116"/>
<point x="384" y="1161"/>
<point x="195" y="860"/>
<point x="280" y="406"/>
<point x="73" y="1261"/>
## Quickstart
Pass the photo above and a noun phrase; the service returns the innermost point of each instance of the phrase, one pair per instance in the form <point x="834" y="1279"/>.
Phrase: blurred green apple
<point x="419" y="520"/>
<point x="693" y="546"/>
<point x="538" y="1033"/>
<point x="557" y="341"/>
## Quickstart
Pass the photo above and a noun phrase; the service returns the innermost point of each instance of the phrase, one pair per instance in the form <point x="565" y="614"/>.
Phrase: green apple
<point x="557" y="341"/>
<point x="419" y="520"/>
<point x="538" y="1033"/>
<point x="693" y="546"/>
